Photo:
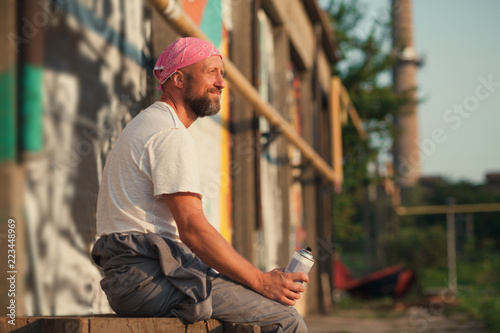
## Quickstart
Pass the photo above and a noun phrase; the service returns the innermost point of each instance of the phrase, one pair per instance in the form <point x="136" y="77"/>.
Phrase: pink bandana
<point x="182" y="53"/>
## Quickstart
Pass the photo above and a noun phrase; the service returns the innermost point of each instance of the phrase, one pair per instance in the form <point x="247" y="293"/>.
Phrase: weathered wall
<point x="270" y="235"/>
<point x="299" y="29"/>
<point x="96" y="76"/>
<point x="94" y="82"/>
<point x="243" y="138"/>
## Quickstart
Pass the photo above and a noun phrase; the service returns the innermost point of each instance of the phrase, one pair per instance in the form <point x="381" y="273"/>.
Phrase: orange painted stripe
<point x="195" y="9"/>
<point x="226" y="223"/>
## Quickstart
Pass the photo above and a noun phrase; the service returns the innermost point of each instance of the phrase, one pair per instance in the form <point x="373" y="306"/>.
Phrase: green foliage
<point x="491" y="308"/>
<point x="417" y="247"/>
<point x="479" y="288"/>
<point x="463" y="192"/>
<point x="344" y="212"/>
<point x="482" y="302"/>
<point x="478" y="285"/>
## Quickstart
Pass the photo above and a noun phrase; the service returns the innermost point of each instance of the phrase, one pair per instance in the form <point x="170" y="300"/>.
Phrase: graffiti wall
<point x="93" y="83"/>
<point x="97" y="57"/>
<point x="95" y="77"/>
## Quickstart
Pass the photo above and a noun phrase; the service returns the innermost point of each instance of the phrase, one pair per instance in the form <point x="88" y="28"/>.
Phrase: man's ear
<point x="178" y="79"/>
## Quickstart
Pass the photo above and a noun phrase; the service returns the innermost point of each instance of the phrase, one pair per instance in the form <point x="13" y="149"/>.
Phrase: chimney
<point x="406" y="149"/>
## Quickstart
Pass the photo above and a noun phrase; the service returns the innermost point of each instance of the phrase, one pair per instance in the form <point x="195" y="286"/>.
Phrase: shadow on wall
<point x="94" y="82"/>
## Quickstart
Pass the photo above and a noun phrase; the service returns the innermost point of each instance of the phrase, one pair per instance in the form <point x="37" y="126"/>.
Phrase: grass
<point x="478" y="291"/>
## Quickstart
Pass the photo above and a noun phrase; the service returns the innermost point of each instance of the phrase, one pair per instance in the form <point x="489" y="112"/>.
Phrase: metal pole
<point x="443" y="209"/>
<point x="452" y="250"/>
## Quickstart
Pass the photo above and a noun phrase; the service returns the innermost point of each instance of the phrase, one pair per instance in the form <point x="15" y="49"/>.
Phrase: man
<point x="156" y="248"/>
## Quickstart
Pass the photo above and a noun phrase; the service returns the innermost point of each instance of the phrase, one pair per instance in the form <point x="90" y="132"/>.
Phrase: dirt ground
<point x="414" y="319"/>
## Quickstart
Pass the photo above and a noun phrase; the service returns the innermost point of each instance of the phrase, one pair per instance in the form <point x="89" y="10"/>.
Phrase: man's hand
<point x="281" y="287"/>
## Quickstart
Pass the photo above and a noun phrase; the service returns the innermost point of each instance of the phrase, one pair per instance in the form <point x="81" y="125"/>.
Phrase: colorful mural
<point x="93" y="82"/>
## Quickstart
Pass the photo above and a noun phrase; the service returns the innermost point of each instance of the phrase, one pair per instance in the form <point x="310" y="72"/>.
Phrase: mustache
<point x="215" y="90"/>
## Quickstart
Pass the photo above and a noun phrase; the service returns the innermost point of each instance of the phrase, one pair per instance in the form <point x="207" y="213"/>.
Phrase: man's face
<point x="204" y="84"/>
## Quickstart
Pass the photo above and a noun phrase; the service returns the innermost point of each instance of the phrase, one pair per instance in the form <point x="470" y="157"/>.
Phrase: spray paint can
<point x="301" y="261"/>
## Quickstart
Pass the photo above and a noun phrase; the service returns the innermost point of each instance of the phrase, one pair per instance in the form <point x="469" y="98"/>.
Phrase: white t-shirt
<point x="153" y="155"/>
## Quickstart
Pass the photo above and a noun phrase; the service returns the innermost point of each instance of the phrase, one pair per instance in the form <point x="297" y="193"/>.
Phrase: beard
<point x="204" y="105"/>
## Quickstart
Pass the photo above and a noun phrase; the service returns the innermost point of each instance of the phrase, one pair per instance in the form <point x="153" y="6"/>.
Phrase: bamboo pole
<point x="345" y="100"/>
<point x="184" y="25"/>
<point x="443" y="209"/>
<point x="340" y="108"/>
<point x="336" y="135"/>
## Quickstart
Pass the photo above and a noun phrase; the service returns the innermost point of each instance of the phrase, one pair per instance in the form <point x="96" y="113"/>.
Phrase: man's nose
<point x="220" y="83"/>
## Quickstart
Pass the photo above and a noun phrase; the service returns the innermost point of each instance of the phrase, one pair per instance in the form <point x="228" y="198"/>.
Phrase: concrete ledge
<point x="111" y="324"/>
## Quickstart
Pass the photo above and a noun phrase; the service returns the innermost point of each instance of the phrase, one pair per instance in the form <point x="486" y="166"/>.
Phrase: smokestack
<point x="406" y="149"/>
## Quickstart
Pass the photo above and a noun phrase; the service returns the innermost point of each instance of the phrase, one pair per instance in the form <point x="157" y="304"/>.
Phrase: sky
<point x="459" y="84"/>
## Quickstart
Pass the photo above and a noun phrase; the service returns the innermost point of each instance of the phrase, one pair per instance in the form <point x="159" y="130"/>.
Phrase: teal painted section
<point x="7" y="116"/>
<point x="211" y="23"/>
<point x="31" y="125"/>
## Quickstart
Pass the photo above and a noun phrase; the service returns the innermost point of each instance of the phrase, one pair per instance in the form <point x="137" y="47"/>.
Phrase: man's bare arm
<point x="204" y="240"/>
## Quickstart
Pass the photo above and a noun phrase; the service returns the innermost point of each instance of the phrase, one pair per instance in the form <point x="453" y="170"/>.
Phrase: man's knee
<point x="296" y="323"/>
<point x="301" y="326"/>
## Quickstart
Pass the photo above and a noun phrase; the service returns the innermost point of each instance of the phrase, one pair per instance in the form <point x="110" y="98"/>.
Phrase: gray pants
<point x="149" y="276"/>
<point x="233" y="302"/>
